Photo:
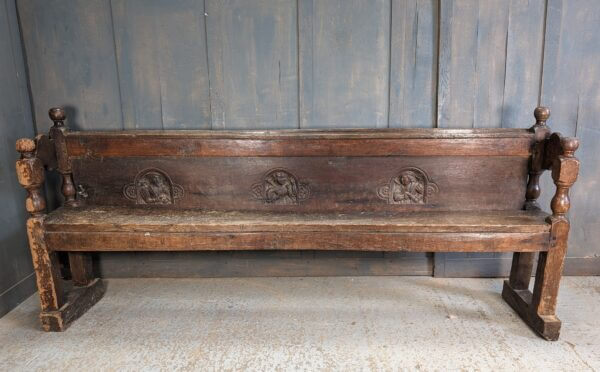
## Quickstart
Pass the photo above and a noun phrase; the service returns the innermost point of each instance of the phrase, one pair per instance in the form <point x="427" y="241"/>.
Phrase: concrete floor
<point x="338" y="324"/>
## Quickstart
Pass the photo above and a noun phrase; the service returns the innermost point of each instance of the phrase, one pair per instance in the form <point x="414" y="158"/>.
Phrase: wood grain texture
<point x="162" y="61"/>
<point x="15" y="122"/>
<point x="298" y="144"/>
<point x="344" y="51"/>
<point x="71" y="61"/>
<point x="253" y="63"/>
<point x="336" y="183"/>
<point x="80" y="300"/>
<point x="124" y="219"/>
<point x="489" y="63"/>
<point x="413" y="63"/>
<point x="361" y="241"/>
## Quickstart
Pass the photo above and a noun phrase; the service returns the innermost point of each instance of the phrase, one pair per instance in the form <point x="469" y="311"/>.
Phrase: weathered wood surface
<point x="331" y="183"/>
<point x="162" y="63"/>
<point x="79" y="300"/>
<point x="502" y="44"/>
<point x="292" y="240"/>
<point x="253" y="63"/>
<point x="489" y="62"/>
<point x="344" y="54"/>
<point x="71" y="58"/>
<point x="17" y="281"/>
<point x="125" y="219"/>
<point x="413" y="63"/>
<point x="424" y="143"/>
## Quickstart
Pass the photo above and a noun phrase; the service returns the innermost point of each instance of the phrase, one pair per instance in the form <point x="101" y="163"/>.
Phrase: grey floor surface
<point x="337" y="324"/>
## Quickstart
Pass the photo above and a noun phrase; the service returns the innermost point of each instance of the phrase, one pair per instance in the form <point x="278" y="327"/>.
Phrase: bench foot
<point x="79" y="300"/>
<point x="547" y="326"/>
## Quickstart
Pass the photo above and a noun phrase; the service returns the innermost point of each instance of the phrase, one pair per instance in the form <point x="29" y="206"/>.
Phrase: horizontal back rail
<point x="351" y="143"/>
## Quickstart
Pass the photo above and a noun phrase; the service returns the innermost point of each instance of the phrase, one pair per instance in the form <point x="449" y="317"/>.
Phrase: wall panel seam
<point x="114" y="40"/>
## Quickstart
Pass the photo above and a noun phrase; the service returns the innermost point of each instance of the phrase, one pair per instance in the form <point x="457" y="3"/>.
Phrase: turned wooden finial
<point x="58" y="116"/>
<point x="26" y="147"/>
<point x="541" y="133"/>
<point x="569" y="145"/>
<point x="30" y="172"/>
<point x="542" y="114"/>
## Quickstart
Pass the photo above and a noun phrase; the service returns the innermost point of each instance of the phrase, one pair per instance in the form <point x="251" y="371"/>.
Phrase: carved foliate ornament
<point x="153" y="186"/>
<point x="279" y="186"/>
<point x="411" y="186"/>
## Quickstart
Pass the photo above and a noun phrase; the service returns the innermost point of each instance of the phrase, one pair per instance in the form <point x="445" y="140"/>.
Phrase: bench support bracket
<point x="79" y="300"/>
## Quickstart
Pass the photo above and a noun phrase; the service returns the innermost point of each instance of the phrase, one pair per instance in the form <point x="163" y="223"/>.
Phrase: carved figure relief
<point x="410" y="186"/>
<point x="280" y="186"/>
<point x="153" y="186"/>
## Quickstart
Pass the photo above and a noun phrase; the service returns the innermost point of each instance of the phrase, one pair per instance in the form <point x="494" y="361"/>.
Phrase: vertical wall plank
<point x="490" y="62"/>
<point x="571" y="89"/>
<point x="16" y="271"/>
<point x="457" y="63"/>
<point x="71" y="59"/>
<point x="413" y="74"/>
<point x="524" y="54"/>
<point x="163" y="71"/>
<point x="344" y="63"/>
<point x="253" y="63"/>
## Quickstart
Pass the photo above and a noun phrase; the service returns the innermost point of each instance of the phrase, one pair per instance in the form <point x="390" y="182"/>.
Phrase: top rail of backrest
<point x="296" y="143"/>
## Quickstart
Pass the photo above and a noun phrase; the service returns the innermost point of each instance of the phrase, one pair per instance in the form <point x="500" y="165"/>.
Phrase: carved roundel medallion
<point x="280" y="186"/>
<point x="411" y="186"/>
<point x="153" y="186"/>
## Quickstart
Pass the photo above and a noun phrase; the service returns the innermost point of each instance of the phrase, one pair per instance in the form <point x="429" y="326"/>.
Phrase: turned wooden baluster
<point x="57" y="133"/>
<point x="541" y="133"/>
<point x="565" y="169"/>
<point x="30" y="172"/>
<point x="80" y="263"/>
<point x="522" y="264"/>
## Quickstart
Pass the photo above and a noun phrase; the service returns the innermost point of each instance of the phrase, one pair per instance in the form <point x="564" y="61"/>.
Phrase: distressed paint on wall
<point x="253" y="63"/>
<point x="345" y="81"/>
<point x="162" y="63"/>
<point x="413" y="63"/>
<point x="70" y="52"/>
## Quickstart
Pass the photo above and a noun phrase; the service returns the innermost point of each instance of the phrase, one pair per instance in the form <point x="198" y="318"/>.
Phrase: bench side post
<point x="522" y="264"/>
<point x="80" y="263"/>
<point x="30" y="172"/>
<point x="538" y="309"/>
<point x="565" y="168"/>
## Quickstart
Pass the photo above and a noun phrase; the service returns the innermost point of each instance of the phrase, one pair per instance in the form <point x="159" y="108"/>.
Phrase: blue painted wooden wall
<point x="16" y="271"/>
<point x="225" y="64"/>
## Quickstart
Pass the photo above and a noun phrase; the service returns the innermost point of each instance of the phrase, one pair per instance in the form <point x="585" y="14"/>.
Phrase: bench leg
<point x="46" y="267"/>
<point x="520" y="272"/>
<point x="538" y="309"/>
<point x="81" y="268"/>
<point x="60" y="309"/>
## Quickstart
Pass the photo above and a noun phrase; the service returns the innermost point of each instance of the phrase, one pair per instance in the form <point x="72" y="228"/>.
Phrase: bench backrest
<point x="304" y="170"/>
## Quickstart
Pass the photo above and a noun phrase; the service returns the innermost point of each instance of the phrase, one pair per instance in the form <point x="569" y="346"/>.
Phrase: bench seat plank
<point x="297" y="240"/>
<point x="127" y="219"/>
<point x="154" y="229"/>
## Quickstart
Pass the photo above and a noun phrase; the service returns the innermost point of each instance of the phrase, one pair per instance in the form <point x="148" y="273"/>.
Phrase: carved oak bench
<point x="424" y="190"/>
